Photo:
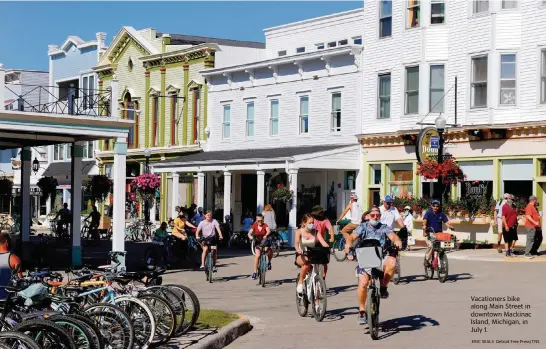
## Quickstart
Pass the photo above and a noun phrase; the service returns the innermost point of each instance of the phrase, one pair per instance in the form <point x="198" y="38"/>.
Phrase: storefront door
<point x="374" y="197"/>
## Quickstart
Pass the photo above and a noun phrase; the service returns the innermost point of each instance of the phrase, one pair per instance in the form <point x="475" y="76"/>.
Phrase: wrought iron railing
<point x="60" y="100"/>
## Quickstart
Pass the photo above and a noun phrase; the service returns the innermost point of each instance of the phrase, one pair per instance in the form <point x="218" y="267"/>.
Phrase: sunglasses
<point x="435" y="205"/>
<point x="259" y="221"/>
<point x="374" y="215"/>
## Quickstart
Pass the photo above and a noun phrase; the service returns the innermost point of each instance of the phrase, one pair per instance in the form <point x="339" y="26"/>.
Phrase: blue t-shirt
<point x="434" y="220"/>
<point x="247" y="224"/>
<point x="197" y="218"/>
<point x="367" y="231"/>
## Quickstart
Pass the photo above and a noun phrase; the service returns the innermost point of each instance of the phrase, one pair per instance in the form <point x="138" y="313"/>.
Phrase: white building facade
<point x="480" y="64"/>
<point x="290" y="119"/>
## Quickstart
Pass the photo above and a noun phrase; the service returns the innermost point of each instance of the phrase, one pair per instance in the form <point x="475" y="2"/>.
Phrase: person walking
<point x="269" y="217"/>
<point x="532" y="222"/>
<point x="10" y="264"/>
<point x="497" y="220"/>
<point x="538" y="234"/>
<point x="390" y="214"/>
<point x="509" y="216"/>
<point x="405" y="231"/>
<point x="356" y="216"/>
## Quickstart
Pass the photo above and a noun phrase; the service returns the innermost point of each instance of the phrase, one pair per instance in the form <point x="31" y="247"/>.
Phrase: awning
<point x="62" y="170"/>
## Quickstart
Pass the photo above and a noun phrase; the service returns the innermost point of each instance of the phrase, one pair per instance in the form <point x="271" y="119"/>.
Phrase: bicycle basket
<point x="369" y="257"/>
<point x="318" y="255"/>
<point x="443" y="236"/>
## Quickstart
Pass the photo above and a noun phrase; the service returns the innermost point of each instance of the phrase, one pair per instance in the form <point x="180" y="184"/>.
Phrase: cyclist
<point x="389" y="213"/>
<point x="10" y="264"/>
<point x="306" y="236"/>
<point x="94" y="225"/>
<point x="261" y="232"/>
<point x="321" y="224"/>
<point x="433" y="219"/>
<point x="373" y="230"/>
<point x="356" y="216"/>
<point x="63" y="217"/>
<point x="179" y="226"/>
<point x="209" y="228"/>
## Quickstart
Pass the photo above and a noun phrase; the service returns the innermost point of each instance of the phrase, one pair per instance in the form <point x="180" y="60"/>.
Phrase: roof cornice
<point x="316" y="19"/>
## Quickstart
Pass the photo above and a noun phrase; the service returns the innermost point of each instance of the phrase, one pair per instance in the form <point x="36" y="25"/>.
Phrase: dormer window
<point x="332" y="44"/>
<point x="300" y="50"/>
<point x="343" y="42"/>
<point x="320" y="46"/>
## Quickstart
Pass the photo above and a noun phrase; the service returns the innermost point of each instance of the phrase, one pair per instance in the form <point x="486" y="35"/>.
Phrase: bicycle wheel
<point x="429" y="272"/>
<point x="275" y="247"/>
<point x="301" y="300"/>
<point x="75" y="329"/>
<point x="114" y="325"/>
<point x="263" y="268"/>
<point x="18" y="340"/>
<point x="443" y="268"/>
<point x="163" y="315"/>
<point x="339" y="251"/>
<point x="142" y="318"/>
<point x="210" y="265"/>
<point x="396" y="277"/>
<point x="85" y="232"/>
<point x="372" y="312"/>
<point x="46" y="334"/>
<point x="175" y="301"/>
<point x="96" y="335"/>
<point x="253" y="247"/>
<point x="191" y="304"/>
<point x="319" y="298"/>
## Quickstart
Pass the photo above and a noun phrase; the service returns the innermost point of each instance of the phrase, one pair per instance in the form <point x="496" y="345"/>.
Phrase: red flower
<point x="279" y="186"/>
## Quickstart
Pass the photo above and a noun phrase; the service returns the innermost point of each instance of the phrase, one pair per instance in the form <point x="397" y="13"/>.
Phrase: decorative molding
<point x="356" y="53"/>
<point x="105" y="73"/>
<point x="229" y="78"/>
<point x="300" y="68"/>
<point x="275" y="72"/>
<point x="124" y="42"/>
<point x="250" y="75"/>
<point x="327" y="62"/>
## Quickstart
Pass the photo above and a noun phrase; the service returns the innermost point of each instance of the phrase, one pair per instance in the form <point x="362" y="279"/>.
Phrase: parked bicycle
<point x="314" y="286"/>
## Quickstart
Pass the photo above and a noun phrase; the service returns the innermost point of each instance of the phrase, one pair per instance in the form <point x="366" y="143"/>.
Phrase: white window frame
<point x="281" y="53"/>
<point x="406" y="92"/>
<point x="250" y="122"/>
<point x="332" y="44"/>
<point x="380" y="97"/>
<point x="430" y="106"/>
<point x="408" y="7"/>
<point x="432" y="2"/>
<point x="224" y="122"/>
<point x="320" y="46"/>
<point x="300" y="49"/>
<point x="355" y="39"/>
<point x="88" y="91"/>
<point x="341" y="42"/>
<point x="515" y="79"/>
<point x="334" y="129"/>
<point x="542" y="75"/>
<point x="503" y="2"/>
<point x="381" y="17"/>
<point x="475" y="7"/>
<point x="271" y="118"/>
<point x="303" y="116"/>
<point x="472" y="82"/>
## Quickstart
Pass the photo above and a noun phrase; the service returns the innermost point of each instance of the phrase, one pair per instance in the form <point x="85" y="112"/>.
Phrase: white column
<point x="260" y="189"/>
<point x="324" y="191"/>
<point x="118" y="228"/>
<point x="153" y="211"/>
<point x="76" y="200"/>
<point x="26" y="156"/>
<point x="200" y="189"/>
<point x="227" y="193"/>
<point x="2" y="84"/>
<point x="65" y="196"/>
<point x="174" y="195"/>
<point x="292" y="218"/>
<point x="48" y="205"/>
<point x="114" y="111"/>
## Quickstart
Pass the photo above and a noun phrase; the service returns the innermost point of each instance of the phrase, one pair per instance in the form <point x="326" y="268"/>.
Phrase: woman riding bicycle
<point x="261" y="232"/>
<point x="306" y="237"/>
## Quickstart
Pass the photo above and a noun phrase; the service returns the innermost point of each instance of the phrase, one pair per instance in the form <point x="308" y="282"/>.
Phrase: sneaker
<point x="254" y="276"/>
<point x="362" y="319"/>
<point x="269" y="266"/>
<point x="202" y="267"/>
<point x="299" y="288"/>
<point x="383" y="292"/>
<point x="529" y="256"/>
<point x="214" y="270"/>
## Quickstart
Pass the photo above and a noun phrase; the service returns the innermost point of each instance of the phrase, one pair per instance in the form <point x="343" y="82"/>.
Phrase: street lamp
<point x="35" y="166"/>
<point x="147" y="154"/>
<point x="440" y="127"/>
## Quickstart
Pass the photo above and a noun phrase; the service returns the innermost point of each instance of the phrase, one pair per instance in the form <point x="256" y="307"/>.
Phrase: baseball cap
<point x="407" y="208"/>
<point x="506" y="196"/>
<point x="435" y="202"/>
<point x="353" y="197"/>
<point x="388" y="199"/>
<point x="532" y="197"/>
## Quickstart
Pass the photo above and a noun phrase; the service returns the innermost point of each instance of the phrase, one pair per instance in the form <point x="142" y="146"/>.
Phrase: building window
<point x="68" y="149"/>
<point x="195" y="115"/>
<point x="155" y="118"/>
<point x="376" y="174"/>
<point x="282" y="53"/>
<point x="174" y="121"/>
<point x="274" y="118"/>
<point x="336" y="112"/>
<point x="508" y="79"/>
<point x="250" y="119"/>
<point x="384" y="96"/>
<point x="129" y="113"/>
<point x="320" y="46"/>
<point x="357" y="40"/>
<point x="88" y="92"/>
<point x="300" y="50"/>
<point x="85" y="88"/>
<point x="343" y="42"/>
<point x="480" y="6"/>
<point x="226" y="123"/>
<point x="130" y="64"/>
<point x="543" y="76"/>
<point x="413" y="13"/>
<point x="58" y="152"/>
<point x="385" y="18"/>
<point x="304" y="114"/>
<point x="437" y="12"/>
<point x="401" y="180"/>
<point x="479" y="82"/>
<point x="332" y="44"/>
<point x="437" y="86"/>
<point x="350" y="180"/>
<point x="517" y="177"/>
<point x="509" y="4"/>
<point x="412" y="90"/>
<point x="88" y="150"/>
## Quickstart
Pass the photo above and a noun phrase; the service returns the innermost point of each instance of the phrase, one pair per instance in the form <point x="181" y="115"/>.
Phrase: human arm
<point x="217" y="226"/>
<point x="447" y="222"/>
<point x="250" y="232"/>
<point x="395" y="239"/>
<point x="297" y="241"/>
<point x="267" y="232"/>
<point x="322" y="241"/>
<point x="349" y="243"/>
<point x="331" y="231"/>
<point x="425" y="225"/>
<point x="344" y="213"/>
<point x="398" y="218"/>
<point x="198" y="232"/>
<point x="529" y="216"/>
<point x="504" y="224"/>
<point x="190" y="225"/>
<point x="15" y="265"/>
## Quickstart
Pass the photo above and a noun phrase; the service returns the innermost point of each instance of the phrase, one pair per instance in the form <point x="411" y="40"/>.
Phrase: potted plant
<point x="283" y="194"/>
<point x="145" y="186"/>
<point x="48" y="186"/>
<point x="98" y="187"/>
<point x="6" y="186"/>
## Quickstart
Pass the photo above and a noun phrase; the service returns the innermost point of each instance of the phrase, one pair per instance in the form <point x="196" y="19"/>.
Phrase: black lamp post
<point x="35" y="166"/>
<point x="147" y="154"/>
<point x="440" y="127"/>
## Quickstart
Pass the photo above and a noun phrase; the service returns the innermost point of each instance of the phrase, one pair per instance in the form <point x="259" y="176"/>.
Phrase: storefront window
<point x="401" y="180"/>
<point x="431" y="189"/>
<point x="479" y="179"/>
<point x="476" y="189"/>
<point x="350" y="180"/>
<point x="542" y="167"/>
<point x="376" y="174"/>
<point x="517" y="177"/>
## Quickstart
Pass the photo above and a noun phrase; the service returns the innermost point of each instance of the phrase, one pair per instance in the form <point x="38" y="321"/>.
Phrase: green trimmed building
<point x="160" y="87"/>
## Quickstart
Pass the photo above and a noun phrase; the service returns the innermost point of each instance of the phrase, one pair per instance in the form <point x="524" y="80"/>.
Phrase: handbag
<point x="411" y="241"/>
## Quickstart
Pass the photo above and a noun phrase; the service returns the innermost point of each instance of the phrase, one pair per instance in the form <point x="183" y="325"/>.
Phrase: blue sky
<point x="31" y="26"/>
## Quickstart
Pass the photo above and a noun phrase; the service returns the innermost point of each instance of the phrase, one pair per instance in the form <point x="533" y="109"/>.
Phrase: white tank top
<point x="307" y="242"/>
<point x="356" y="213"/>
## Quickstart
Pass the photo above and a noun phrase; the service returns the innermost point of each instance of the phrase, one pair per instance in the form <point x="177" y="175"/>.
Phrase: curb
<point x="225" y="335"/>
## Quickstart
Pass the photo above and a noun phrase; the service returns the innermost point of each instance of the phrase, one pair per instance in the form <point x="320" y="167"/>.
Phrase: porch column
<point x="153" y="211"/>
<point x="261" y="188"/>
<point x="292" y="218"/>
<point x="174" y="196"/>
<point x="324" y="191"/>
<point x="76" y="202"/>
<point x="2" y="84"/>
<point x="227" y="193"/>
<point x="48" y="205"/>
<point x="26" y="155"/>
<point x="200" y="189"/>
<point x="118" y="226"/>
<point x="114" y="111"/>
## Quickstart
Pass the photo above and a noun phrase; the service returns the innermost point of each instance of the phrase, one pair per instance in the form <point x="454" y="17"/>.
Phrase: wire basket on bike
<point x="318" y="255"/>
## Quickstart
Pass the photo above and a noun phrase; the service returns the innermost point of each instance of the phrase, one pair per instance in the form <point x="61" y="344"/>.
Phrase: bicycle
<point x="209" y="259"/>
<point x="441" y="243"/>
<point x="262" y="262"/>
<point x="314" y="286"/>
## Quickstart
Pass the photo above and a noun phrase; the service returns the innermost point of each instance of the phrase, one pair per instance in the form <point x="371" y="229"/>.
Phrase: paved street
<point x="419" y="313"/>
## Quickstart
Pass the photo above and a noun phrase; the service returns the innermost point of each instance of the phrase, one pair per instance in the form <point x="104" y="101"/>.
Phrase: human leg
<point x="362" y="293"/>
<point x="500" y="233"/>
<point x="348" y="229"/>
<point x="428" y="254"/>
<point x="204" y="254"/>
<point x="530" y="240"/>
<point x="256" y="259"/>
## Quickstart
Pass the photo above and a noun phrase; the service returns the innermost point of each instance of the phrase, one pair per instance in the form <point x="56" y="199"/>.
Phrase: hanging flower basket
<point x="98" y="187"/>
<point x="283" y="194"/>
<point x="48" y="186"/>
<point x="448" y="170"/>
<point x="6" y="186"/>
<point x="146" y="186"/>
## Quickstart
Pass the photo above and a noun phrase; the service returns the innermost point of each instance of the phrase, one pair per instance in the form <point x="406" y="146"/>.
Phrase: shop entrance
<point x="249" y="193"/>
<point x="374" y="197"/>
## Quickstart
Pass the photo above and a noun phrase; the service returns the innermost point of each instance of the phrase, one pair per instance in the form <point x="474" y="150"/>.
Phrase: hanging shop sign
<point x="185" y="179"/>
<point x="427" y="145"/>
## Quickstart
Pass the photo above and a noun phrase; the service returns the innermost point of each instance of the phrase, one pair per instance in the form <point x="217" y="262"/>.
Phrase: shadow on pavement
<point x="188" y="339"/>
<point x="333" y="291"/>
<point x="339" y="314"/>
<point x="276" y="283"/>
<point x="231" y="278"/>
<point x="406" y="324"/>
<point x="420" y="278"/>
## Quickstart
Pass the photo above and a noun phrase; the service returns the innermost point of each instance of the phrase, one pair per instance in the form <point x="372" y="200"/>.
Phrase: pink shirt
<point x="322" y="226"/>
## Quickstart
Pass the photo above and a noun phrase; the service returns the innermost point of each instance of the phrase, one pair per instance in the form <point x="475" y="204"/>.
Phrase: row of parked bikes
<point x="95" y="309"/>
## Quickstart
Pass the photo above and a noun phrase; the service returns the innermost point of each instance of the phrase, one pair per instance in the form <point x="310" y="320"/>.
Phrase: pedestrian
<point x="509" y="216"/>
<point x="390" y="214"/>
<point x="198" y="217"/>
<point x="405" y="231"/>
<point x="356" y="216"/>
<point x="538" y="234"/>
<point x="532" y="222"/>
<point x="269" y="217"/>
<point x="247" y="223"/>
<point x="497" y="220"/>
<point x="10" y="264"/>
<point x="432" y="222"/>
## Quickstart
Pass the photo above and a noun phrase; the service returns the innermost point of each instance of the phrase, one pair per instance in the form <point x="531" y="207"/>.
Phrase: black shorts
<point x="211" y="241"/>
<point x="510" y="234"/>
<point x="261" y="241"/>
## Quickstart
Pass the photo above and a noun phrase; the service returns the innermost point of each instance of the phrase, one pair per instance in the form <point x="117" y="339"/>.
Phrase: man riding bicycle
<point x="209" y="228"/>
<point x="373" y="230"/>
<point x="433" y="220"/>
<point x="94" y="224"/>
<point x="63" y="217"/>
<point x="261" y="232"/>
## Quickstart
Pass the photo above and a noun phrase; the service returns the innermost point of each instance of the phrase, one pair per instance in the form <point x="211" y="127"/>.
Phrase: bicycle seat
<point x="122" y="280"/>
